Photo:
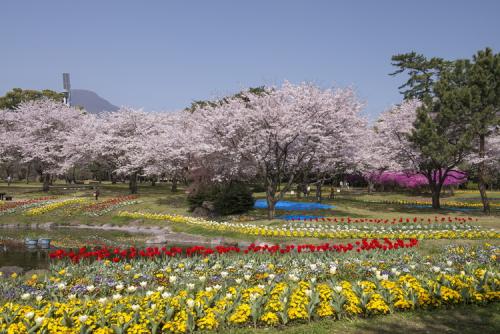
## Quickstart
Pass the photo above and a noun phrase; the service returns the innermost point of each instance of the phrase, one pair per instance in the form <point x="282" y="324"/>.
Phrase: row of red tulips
<point x="100" y="206"/>
<point x="349" y="220"/>
<point x="118" y="254"/>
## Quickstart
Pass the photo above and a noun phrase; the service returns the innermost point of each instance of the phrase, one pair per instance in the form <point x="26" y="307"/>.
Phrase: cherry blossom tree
<point x="9" y="149"/>
<point x="167" y="150"/>
<point x="40" y="128"/>
<point x="279" y="134"/>
<point x="121" y="140"/>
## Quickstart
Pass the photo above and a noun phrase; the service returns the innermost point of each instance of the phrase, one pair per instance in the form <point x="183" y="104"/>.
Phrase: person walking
<point x="96" y="193"/>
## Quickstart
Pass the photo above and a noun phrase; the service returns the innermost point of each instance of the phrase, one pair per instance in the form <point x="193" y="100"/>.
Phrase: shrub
<point x="232" y="198"/>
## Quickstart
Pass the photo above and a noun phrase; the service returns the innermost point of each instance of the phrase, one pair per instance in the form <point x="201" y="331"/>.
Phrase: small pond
<point x="25" y="258"/>
<point x="13" y="251"/>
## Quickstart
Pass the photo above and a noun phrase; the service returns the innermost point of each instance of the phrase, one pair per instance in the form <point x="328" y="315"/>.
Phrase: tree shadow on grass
<point x="470" y="319"/>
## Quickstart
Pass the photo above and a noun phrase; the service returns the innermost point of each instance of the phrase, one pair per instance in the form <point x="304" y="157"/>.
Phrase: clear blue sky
<point x="161" y="55"/>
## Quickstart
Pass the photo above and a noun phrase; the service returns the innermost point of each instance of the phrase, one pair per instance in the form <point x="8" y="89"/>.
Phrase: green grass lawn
<point x="460" y="319"/>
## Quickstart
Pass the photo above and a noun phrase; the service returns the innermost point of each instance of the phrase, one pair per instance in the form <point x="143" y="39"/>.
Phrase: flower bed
<point x="118" y="254"/>
<point x="101" y="208"/>
<point x="349" y="220"/>
<point x="180" y="295"/>
<point x="13" y="207"/>
<point x="428" y="204"/>
<point x="327" y="231"/>
<point x="54" y="206"/>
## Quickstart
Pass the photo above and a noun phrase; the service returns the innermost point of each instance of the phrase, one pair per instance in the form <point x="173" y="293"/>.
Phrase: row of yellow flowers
<point x="54" y="206"/>
<point x="472" y="191"/>
<point x="354" y="233"/>
<point x="220" y="307"/>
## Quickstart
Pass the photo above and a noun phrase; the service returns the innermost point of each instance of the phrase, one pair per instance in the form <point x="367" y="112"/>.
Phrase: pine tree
<point x="484" y="82"/>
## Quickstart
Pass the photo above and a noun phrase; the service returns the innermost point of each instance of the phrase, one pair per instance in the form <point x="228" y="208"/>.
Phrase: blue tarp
<point x="299" y="217"/>
<point x="293" y="206"/>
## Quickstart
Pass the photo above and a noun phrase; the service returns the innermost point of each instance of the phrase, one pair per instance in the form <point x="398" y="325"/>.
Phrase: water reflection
<point x="24" y="257"/>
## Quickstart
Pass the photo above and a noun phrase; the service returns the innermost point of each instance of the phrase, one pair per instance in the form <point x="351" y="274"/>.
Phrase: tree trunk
<point x="318" y="191"/>
<point x="332" y="190"/>
<point x="370" y="187"/>
<point x="271" y="207"/>
<point x="174" y="186"/>
<point x="482" y="177"/>
<point x="46" y="182"/>
<point x="153" y="182"/>
<point x="436" y="193"/>
<point x="132" y="185"/>
<point x="112" y="177"/>
<point x="28" y="173"/>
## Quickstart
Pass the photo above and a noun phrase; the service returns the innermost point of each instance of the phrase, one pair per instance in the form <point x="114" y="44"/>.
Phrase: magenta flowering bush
<point x="414" y="180"/>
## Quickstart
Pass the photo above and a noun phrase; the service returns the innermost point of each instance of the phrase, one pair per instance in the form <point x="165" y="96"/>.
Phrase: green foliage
<point x="232" y="198"/>
<point x="241" y="95"/>
<point x="258" y="188"/>
<point x="422" y="73"/>
<point x="442" y="134"/>
<point x="16" y="96"/>
<point x="484" y="82"/>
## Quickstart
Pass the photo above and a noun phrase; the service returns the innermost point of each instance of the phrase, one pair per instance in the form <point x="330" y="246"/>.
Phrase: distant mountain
<point x="90" y="101"/>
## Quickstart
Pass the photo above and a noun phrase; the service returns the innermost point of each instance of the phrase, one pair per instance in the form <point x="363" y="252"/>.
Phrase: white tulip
<point x="29" y="315"/>
<point x="83" y="318"/>
<point x="39" y="320"/>
<point x="25" y="296"/>
<point x="135" y="307"/>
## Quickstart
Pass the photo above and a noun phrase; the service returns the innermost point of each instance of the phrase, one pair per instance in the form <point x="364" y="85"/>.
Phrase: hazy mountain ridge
<point x="90" y="101"/>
